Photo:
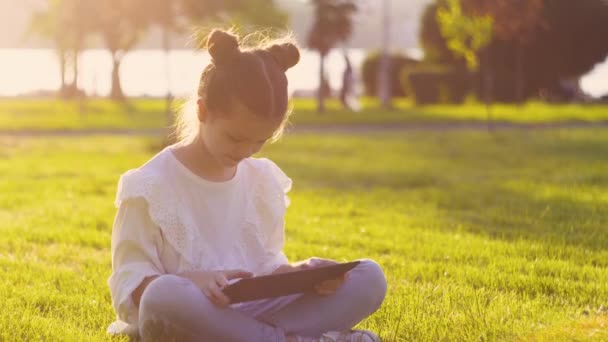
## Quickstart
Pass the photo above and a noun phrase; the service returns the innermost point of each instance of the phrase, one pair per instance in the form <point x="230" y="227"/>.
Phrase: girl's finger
<point x="322" y="262"/>
<point x="326" y="286"/>
<point x="233" y="274"/>
<point x="324" y="291"/>
<point x="221" y="281"/>
<point x="333" y="283"/>
<point x="221" y="299"/>
<point x="208" y="294"/>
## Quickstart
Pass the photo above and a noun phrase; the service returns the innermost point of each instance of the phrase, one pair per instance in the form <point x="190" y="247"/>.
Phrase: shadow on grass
<point x="545" y="187"/>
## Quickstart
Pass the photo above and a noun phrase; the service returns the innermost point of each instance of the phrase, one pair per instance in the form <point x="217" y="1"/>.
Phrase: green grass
<point x="16" y="114"/>
<point x="405" y="112"/>
<point x="481" y="237"/>
<point x="19" y="114"/>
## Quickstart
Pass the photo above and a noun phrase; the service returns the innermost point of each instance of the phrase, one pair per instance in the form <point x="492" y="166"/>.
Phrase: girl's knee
<point x="373" y="281"/>
<point x="158" y="329"/>
<point x="167" y="307"/>
<point x="168" y="294"/>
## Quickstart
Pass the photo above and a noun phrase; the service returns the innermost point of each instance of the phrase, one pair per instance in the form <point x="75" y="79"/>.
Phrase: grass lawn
<point x="19" y="114"/>
<point x="481" y="237"/>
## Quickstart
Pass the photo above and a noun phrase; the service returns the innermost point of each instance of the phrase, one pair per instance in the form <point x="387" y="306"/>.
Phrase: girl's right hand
<point x="211" y="283"/>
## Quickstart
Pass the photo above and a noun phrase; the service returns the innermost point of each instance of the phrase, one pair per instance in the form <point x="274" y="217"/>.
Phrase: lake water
<point x="143" y="72"/>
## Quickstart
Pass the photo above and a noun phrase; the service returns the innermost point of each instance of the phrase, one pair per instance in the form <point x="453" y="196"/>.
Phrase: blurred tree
<point x="251" y="15"/>
<point x="247" y="15"/>
<point x="572" y="40"/>
<point x="369" y="72"/>
<point x="333" y="24"/>
<point x="121" y="25"/>
<point x="532" y="51"/>
<point x="516" y="21"/>
<point x="67" y="23"/>
<point x="467" y="36"/>
<point x="166" y="14"/>
<point x="433" y="44"/>
<point x="172" y="16"/>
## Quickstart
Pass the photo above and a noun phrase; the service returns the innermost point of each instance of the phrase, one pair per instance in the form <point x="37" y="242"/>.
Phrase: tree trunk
<point x="62" y="70"/>
<point x="519" y="77"/>
<point x="384" y="81"/>
<point x="488" y="85"/>
<point x="72" y="88"/>
<point x="167" y="49"/>
<point x="321" y="91"/>
<point x="80" y="96"/>
<point x="75" y="71"/>
<point x="116" y="93"/>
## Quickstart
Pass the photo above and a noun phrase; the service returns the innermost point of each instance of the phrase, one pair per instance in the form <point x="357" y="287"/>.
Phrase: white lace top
<point x="170" y="220"/>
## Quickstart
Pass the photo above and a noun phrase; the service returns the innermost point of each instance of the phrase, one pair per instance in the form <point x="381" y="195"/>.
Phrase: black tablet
<point x="276" y="285"/>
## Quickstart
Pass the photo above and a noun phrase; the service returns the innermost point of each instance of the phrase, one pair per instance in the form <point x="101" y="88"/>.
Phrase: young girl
<point x="202" y="213"/>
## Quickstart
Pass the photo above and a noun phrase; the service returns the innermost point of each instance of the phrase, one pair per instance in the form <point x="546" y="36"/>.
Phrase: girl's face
<point x="232" y="137"/>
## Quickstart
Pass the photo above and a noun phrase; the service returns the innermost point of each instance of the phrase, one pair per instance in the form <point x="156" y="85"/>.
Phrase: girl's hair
<point x="253" y="77"/>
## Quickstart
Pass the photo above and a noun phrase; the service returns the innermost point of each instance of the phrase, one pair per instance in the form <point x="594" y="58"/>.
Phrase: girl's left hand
<point x="327" y="287"/>
<point x="330" y="287"/>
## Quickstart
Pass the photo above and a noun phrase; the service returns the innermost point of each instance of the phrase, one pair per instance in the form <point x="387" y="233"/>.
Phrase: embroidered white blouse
<point x="170" y="220"/>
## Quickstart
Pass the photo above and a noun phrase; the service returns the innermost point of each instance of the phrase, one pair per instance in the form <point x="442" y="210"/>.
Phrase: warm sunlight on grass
<point x="40" y="115"/>
<point x="482" y="237"/>
<point x="594" y="328"/>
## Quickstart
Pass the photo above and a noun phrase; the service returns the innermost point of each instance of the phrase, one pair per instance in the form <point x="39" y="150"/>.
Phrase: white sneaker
<point x="349" y="336"/>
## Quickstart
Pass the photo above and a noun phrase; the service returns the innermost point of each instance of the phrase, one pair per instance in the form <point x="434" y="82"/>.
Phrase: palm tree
<point x="333" y="24"/>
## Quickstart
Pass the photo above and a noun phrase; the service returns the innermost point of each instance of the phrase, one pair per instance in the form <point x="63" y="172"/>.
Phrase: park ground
<point x="483" y="235"/>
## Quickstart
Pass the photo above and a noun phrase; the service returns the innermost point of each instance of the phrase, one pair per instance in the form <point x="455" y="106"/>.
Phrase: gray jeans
<point x="173" y="308"/>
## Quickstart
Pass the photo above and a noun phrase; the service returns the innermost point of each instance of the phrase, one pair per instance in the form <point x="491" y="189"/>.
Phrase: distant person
<point x="347" y="92"/>
<point x="202" y="212"/>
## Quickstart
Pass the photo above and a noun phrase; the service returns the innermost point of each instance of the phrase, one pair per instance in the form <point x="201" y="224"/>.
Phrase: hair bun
<point x="223" y="47"/>
<point x="286" y="55"/>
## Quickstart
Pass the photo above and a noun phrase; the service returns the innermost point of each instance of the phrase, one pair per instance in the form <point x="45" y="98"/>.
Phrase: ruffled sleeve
<point x="281" y="178"/>
<point x="136" y="247"/>
<point x="164" y="210"/>
<point x="277" y="185"/>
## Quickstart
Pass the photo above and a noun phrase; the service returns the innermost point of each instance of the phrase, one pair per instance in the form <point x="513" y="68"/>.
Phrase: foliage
<point x="514" y="20"/>
<point x="432" y="42"/>
<point x="398" y="63"/>
<point x="465" y="35"/>
<point x="429" y="83"/>
<point x="543" y="41"/>
<point x="332" y="24"/>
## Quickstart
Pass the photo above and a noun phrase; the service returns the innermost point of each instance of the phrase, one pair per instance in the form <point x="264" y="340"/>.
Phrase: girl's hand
<point x="303" y="265"/>
<point x="330" y="286"/>
<point x="211" y="283"/>
<point x="284" y="269"/>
